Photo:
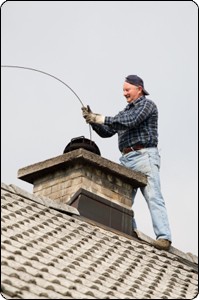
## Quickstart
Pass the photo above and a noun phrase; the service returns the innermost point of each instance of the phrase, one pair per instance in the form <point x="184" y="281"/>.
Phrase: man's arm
<point x="96" y="121"/>
<point x="102" y="130"/>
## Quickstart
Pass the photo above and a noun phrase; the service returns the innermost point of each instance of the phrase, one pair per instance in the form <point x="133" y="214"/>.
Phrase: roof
<point x="50" y="252"/>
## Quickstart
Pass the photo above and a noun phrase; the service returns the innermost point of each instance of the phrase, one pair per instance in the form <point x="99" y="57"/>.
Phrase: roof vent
<point x="82" y="142"/>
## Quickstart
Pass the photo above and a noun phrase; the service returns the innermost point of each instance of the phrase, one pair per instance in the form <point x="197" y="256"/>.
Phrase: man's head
<point x="133" y="88"/>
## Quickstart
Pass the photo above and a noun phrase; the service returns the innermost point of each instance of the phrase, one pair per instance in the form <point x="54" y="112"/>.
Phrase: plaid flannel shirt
<point x="136" y="124"/>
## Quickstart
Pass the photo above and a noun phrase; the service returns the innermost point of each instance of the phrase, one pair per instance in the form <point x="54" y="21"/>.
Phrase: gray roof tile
<point x="48" y="254"/>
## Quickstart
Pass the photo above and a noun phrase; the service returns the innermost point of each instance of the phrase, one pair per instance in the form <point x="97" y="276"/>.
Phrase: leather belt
<point x="135" y="148"/>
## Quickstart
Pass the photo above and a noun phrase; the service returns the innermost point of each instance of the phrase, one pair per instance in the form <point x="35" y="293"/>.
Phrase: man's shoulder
<point x="150" y="101"/>
<point x="143" y="100"/>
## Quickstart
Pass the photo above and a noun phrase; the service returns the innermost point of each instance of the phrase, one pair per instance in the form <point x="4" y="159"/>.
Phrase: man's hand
<point x="86" y="110"/>
<point x="90" y="117"/>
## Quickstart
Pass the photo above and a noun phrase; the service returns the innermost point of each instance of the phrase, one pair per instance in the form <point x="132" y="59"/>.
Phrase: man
<point x="137" y="129"/>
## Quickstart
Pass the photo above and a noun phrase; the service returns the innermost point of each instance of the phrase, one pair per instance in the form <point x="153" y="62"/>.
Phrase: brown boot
<point x="162" y="244"/>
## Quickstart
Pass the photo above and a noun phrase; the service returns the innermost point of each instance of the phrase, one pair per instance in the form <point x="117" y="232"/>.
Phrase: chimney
<point x="100" y="189"/>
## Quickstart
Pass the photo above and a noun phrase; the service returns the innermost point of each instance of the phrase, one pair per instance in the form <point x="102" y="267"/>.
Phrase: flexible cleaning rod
<point x="48" y="74"/>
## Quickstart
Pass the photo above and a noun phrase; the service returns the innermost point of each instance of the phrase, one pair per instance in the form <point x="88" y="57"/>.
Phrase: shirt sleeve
<point x="132" y="117"/>
<point x="103" y="130"/>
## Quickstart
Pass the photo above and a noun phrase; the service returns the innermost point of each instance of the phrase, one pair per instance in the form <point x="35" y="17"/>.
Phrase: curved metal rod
<point x="48" y="74"/>
<point x="32" y="69"/>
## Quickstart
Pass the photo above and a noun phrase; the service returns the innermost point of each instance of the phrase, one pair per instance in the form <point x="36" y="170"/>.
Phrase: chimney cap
<point x="82" y="142"/>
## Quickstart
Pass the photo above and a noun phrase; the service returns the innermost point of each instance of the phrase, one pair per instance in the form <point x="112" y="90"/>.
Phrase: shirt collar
<point x="135" y="102"/>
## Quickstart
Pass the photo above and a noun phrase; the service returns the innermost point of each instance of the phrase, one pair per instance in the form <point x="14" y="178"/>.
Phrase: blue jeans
<point x="147" y="161"/>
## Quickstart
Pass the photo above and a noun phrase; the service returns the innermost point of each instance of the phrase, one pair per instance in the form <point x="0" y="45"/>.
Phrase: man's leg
<point x="153" y="196"/>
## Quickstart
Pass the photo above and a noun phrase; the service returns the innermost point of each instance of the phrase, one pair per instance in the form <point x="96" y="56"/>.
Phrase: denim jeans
<point x="147" y="161"/>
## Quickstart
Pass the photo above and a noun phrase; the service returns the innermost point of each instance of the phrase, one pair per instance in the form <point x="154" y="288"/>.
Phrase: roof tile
<point x="46" y="253"/>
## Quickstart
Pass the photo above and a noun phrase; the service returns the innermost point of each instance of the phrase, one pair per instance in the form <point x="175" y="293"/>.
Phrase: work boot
<point x="162" y="244"/>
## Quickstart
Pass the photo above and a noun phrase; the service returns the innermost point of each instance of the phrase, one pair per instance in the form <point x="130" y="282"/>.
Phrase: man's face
<point x="131" y="92"/>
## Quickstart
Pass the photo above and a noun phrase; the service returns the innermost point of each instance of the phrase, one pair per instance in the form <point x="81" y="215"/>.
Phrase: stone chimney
<point x="100" y="189"/>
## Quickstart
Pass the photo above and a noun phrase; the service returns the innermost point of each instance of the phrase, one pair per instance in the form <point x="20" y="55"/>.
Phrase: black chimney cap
<point x="82" y="142"/>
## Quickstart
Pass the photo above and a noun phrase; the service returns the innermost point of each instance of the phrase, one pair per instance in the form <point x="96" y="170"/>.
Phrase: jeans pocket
<point x="137" y="161"/>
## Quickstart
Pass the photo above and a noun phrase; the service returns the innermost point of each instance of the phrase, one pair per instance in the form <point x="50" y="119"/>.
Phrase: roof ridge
<point x="187" y="256"/>
<point x="43" y="200"/>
